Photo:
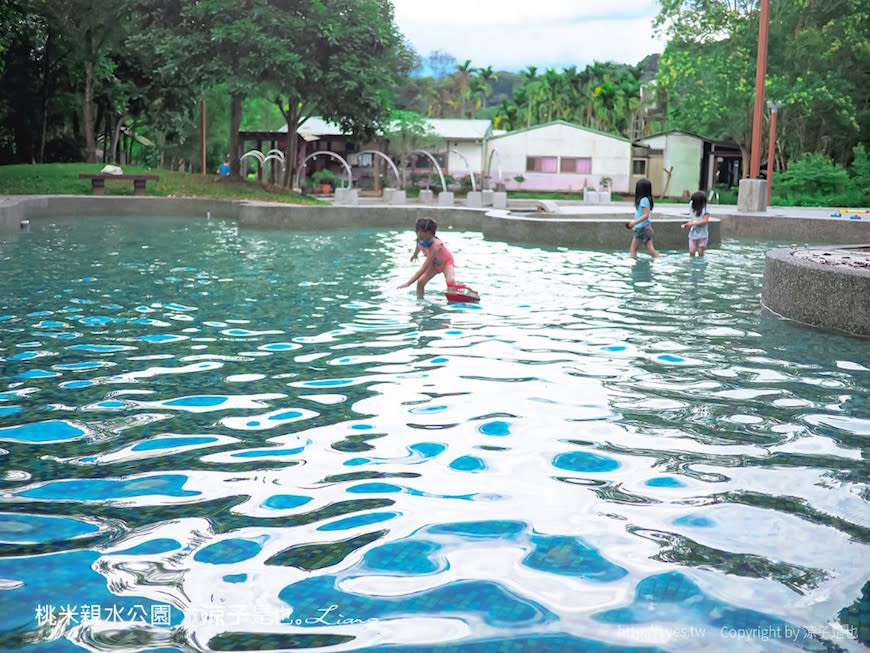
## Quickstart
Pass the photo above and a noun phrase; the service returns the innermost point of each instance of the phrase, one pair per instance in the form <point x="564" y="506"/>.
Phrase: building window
<point x="541" y="164"/>
<point x="638" y="166"/>
<point x="577" y="165"/>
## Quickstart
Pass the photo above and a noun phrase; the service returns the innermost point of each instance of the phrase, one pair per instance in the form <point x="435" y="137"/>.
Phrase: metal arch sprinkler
<point x="253" y="153"/>
<point x="388" y="160"/>
<point x="275" y="155"/>
<point x="334" y="156"/>
<point x="256" y="154"/>
<point x="437" y="167"/>
<point x="489" y="163"/>
<point x="467" y="165"/>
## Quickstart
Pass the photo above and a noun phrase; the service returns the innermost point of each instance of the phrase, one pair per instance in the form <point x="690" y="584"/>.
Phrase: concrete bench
<point x="98" y="182"/>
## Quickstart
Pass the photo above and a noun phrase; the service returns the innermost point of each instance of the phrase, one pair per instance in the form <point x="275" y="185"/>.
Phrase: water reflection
<point x="262" y="444"/>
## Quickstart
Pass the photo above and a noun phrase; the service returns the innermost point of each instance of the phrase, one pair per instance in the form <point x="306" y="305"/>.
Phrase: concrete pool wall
<point x="593" y="227"/>
<point x="823" y="287"/>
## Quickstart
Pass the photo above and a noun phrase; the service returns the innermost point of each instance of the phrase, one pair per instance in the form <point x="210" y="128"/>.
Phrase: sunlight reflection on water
<point x="605" y="453"/>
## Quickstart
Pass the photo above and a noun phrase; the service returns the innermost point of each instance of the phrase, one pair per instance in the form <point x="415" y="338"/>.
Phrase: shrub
<point x="859" y="172"/>
<point x="812" y="180"/>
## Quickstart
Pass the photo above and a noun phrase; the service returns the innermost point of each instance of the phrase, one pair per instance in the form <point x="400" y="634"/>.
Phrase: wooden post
<point x="760" y="72"/>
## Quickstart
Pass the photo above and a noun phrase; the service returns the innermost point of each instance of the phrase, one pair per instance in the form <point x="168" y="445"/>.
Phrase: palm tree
<point x="486" y="75"/>
<point x="507" y="116"/>
<point x="462" y="81"/>
<point x="531" y="86"/>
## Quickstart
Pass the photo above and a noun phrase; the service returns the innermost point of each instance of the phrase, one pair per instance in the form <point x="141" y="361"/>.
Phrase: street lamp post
<point x="751" y="194"/>
<point x="771" y="145"/>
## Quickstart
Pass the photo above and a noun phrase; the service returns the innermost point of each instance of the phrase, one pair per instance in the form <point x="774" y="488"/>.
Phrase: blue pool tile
<point x="102" y="489"/>
<point x="496" y="428"/>
<point x="156" y="444"/>
<point x="373" y="488"/>
<point x="665" y="481"/>
<point x="235" y="578"/>
<point x="228" y="551"/>
<point x="406" y="557"/>
<point x="285" y="501"/>
<point x="583" y="461"/>
<point x="19" y="527"/>
<point x="358" y="520"/>
<point x="468" y="464"/>
<point x="152" y="547"/>
<point x="200" y="401"/>
<point x="42" y="432"/>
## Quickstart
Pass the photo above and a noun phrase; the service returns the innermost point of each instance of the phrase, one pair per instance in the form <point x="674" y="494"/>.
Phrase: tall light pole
<point x="760" y="72"/>
<point x="771" y="145"/>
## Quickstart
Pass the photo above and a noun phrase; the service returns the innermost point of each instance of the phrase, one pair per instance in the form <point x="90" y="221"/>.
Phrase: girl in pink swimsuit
<point x="438" y="257"/>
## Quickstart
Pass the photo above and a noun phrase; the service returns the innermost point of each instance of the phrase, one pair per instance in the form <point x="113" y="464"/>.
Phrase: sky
<point x="514" y="34"/>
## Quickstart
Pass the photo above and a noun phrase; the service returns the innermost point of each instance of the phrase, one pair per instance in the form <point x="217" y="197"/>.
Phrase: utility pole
<point x="760" y="72"/>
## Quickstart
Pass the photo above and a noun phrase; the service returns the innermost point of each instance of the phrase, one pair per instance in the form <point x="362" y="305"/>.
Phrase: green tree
<point x="530" y="89"/>
<point x="485" y="76"/>
<point x="348" y="55"/>
<point x="709" y="87"/>
<point x="816" y="67"/>
<point x="93" y="36"/>
<point x="409" y="131"/>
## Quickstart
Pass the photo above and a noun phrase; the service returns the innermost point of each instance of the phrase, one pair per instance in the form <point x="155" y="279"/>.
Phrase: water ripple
<point x="250" y="440"/>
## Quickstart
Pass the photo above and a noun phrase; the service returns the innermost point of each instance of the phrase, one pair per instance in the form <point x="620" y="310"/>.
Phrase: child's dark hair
<point x="699" y="202"/>
<point x="426" y="224"/>
<point x="642" y="189"/>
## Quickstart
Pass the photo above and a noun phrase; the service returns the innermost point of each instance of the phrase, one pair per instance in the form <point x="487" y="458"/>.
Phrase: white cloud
<point x="513" y="34"/>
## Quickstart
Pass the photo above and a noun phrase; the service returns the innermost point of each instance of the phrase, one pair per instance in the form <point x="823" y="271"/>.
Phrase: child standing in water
<point x="438" y="258"/>
<point x="643" y="205"/>
<point x="697" y="226"/>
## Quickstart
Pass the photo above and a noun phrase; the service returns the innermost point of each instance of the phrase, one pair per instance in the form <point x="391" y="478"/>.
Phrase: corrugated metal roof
<point x="566" y="124"/>
<point x="458" y="129"/>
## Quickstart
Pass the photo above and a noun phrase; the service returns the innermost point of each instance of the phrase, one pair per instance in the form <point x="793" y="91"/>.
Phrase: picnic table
<point x="98" y="182"/>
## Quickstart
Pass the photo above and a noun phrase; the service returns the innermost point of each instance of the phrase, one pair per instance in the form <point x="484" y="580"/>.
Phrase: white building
<point x="559" y="156"/>
<point x="464" y="143"/>
<point x="679" y="162"/>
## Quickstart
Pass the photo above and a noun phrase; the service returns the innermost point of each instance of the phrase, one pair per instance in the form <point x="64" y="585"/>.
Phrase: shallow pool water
<point x="214" y="438"/>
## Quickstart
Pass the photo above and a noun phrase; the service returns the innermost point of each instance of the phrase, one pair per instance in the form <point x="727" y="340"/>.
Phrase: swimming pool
<point x="249" y="440"/>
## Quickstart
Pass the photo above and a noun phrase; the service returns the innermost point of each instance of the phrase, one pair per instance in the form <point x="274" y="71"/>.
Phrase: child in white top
<point x="697" y="225"/>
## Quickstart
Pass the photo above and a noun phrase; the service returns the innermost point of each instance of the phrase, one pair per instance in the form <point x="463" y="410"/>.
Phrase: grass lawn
<point x="63" y="179"/>
<point x="556" y="195"/>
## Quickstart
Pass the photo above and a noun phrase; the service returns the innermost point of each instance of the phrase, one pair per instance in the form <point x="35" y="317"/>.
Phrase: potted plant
<point x="604" y="192"/>
<point x="325" y="179"/>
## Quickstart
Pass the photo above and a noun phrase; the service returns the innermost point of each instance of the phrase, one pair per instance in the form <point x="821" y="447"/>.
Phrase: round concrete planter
<point x="826" y="287"/>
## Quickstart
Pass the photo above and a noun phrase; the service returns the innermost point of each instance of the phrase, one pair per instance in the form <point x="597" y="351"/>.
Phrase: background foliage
<point x="125" y="84"/>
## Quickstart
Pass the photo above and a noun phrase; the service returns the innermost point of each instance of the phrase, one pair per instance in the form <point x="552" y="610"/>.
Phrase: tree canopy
<point x="94" y="85"/>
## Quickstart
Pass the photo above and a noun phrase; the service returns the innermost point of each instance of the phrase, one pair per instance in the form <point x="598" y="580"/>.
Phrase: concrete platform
<point x="823" y="287"/>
